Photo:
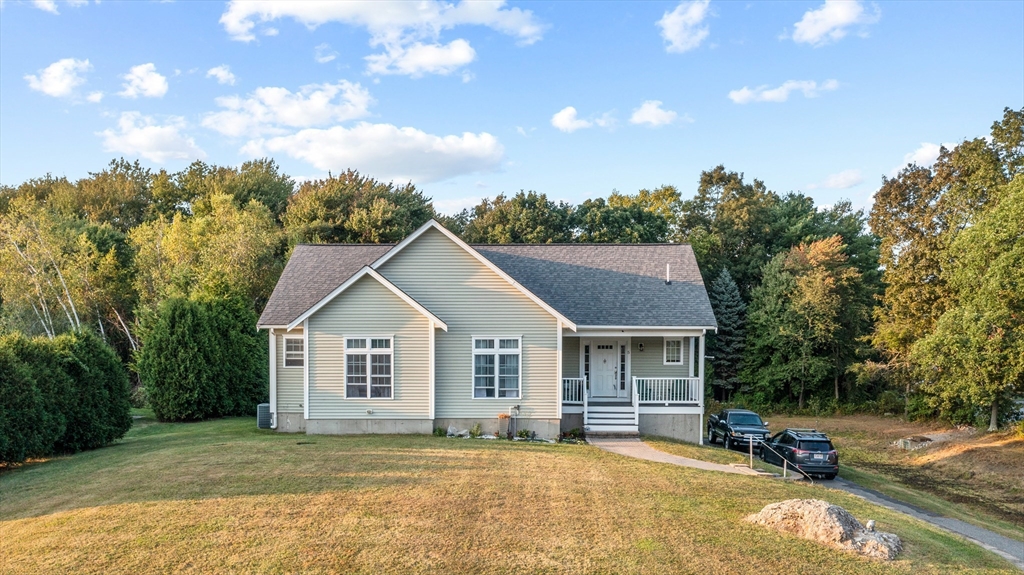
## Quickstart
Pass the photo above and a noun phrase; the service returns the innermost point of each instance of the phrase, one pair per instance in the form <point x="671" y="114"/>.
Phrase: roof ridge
<point x="585" y="244"/>
<point x="344" y="244"/>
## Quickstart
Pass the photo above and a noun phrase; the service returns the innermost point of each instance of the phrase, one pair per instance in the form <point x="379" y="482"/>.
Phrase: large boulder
<point x="832" y="525"/>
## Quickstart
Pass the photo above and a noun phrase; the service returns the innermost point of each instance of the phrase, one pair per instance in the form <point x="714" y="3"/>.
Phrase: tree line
<point x="818" y="306"/>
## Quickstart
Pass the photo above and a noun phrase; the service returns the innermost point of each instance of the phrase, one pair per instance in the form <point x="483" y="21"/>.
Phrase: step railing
<point x="667" y="389"/>
<point x="785" y="462"/>
<point x="586" y="405"/>
<point x="573" y="389"/>
<point x="636" y="405"/>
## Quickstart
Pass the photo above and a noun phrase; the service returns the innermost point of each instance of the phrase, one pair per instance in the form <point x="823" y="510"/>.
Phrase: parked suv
<point x="806" y="449"/>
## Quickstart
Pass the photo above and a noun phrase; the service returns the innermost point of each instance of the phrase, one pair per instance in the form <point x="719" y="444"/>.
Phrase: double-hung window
<point x="294" y="352"/>
<point x="496" y="366"/>
<point x="673" y="351"/>
<point x="368" y="367"/>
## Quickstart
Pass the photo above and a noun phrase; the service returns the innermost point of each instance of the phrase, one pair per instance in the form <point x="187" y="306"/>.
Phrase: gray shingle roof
<point x="611" y="284"/>
<point x="313" y="272"/>
<point x="591" y="284"/>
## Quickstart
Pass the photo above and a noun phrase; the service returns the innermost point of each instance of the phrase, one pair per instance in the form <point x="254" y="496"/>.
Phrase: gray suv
<point x="806" y="449"/>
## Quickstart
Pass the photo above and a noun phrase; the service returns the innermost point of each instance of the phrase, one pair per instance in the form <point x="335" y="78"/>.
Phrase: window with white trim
<point x="673" y="351"/>
<point x="496" y="366"/>
<point x="368" y="367"/>
<point x="294" y="352"/>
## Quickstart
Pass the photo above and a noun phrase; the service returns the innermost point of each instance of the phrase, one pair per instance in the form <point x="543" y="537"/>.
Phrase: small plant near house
<point x="476" y="431"/>
<point x="440" y="432"/>
<point x="523" y="434"/>
<point x="574" y="435"/>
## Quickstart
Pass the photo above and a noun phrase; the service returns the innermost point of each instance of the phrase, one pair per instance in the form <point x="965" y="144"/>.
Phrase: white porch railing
<point x="574" y="390"/>
<point x="667" y="389"/>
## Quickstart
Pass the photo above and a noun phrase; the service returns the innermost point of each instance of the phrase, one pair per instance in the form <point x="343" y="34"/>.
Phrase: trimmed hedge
<point x="60" y="396"/>
<point x="202" y="359"/>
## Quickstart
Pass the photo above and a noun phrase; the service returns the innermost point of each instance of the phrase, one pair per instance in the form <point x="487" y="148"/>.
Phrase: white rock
<point x="832" y="525"/>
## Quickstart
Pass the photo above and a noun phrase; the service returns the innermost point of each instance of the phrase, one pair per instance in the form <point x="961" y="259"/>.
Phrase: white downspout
<point x="700" y="430"/>
<point x="273" y="380"/>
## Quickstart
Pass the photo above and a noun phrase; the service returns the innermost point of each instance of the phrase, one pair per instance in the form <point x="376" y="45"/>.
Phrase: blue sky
<point x="573" y="99"/>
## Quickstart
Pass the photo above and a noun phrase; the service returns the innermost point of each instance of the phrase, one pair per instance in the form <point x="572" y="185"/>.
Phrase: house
<point x="432" y="332"/>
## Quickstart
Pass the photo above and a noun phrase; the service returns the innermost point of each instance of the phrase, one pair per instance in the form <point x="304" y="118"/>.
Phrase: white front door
<point x="604" y="370"/>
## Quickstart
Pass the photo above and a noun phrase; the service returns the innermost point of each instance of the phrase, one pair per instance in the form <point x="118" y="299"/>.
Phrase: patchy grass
<point x="976" y="477"/>
<point x="222" y="496"/>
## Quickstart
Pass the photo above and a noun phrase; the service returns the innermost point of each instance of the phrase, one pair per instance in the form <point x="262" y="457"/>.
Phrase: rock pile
<point x="832" y="525"/>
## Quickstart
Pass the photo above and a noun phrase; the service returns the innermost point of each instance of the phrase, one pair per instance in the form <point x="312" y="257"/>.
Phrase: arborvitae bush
<point x="202" y="359"/>
<point x="99" y="410"/>
<point x="61" y="395"/>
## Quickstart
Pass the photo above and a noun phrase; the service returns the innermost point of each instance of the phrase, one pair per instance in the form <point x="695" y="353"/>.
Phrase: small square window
<point x="294" y="352"/>
<point x="355" y="343"/>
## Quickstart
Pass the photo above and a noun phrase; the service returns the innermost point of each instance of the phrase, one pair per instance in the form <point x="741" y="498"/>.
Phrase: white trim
<point x="469" y="249"/>
<point x="664" y="351"/>
<point x="636" y="333"/>
<point x="701" y="385"/>
<point x="431" y="366"/>
<point x="671" y="409"/>
<point x="305" y="370"/>
<point x="367" y="270"/>
<point x="558" y="367"/>
<point x="273" y="378"/>
<point x="496" y="351"/>
<point x="693" y="358"/>
<point x="367" y="352"/>
<point x="573" y="409"/>
<point x="647" y="327"/>
<point x="284" y="351"/>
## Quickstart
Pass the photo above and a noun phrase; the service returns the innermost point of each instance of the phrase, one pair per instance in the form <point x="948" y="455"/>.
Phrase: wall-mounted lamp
<point x="640" y="346"/>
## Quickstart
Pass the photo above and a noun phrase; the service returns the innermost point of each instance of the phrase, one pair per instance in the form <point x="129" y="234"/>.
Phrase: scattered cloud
<point x="323" y="53"/>
<point x="681" y="28"/>
<point x="408" y="32"/>
<point x="60" y="78"/>
<point x="652" y="114"/>
<point x="51" y="6"/>
<point x="222" y="73"/>
<point x="841" y="181"/>
<point x="95" y="97"/>
<point x="144" y="80"/>
<point x="417" y="59"/>
<point x="831" y="21"/>
<point x="924" y="156"/>
<point x="387" y="151"/>
<point x="275" y="111"/>
<point x="138" y="135"/>
<point x="566" y="120"/>
<point x="809" y="88"/>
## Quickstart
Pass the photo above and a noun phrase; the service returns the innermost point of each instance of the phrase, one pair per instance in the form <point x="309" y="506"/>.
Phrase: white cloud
<point x="387" y="151"/>
<point x="455" y="205"/>
<point x="809" y="88"/>
<point x="829" y="22"/>
<point x="144" y="80"/>
<point x="407" y="31"/>
<point x="566" y="120"/>
<point x="95" y="97"/>
<point x="323" y="53"/>
<point x="272" y="110"/>
<point x="417" y="59"/>
<point x="924" y="156"/>
<point x="46" y="5"/>
<point x="681" y="28"/>
<point x="60" y="78"/>
<point x="222" y="73"/>
<point x="652" y="114"/>
<point x="143" y="136"/>
<point x="841" y="181"/>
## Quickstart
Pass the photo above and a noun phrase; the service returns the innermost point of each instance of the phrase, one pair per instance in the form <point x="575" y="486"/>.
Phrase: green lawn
<point x="222" y="496"/>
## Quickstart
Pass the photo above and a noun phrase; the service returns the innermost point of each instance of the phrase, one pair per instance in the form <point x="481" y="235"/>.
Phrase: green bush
<point x="61" y="395"/>
<point x="202" y="359"/>
<point x="98" y="410"/>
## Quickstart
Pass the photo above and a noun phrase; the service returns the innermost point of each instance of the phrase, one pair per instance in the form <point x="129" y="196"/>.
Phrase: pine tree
<point x="727" y="345"/>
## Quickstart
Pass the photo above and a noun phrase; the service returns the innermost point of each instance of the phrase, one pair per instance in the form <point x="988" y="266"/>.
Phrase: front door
<point x="604" y="370"/>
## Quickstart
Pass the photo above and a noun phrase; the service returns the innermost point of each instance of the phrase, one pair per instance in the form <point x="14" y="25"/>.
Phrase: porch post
<point x="558" y="367"/>
<point x="273" y="379"/>
<point x="701" y="387"/>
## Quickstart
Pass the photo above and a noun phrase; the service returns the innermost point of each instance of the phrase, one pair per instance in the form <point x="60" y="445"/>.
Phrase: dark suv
<point x="806" y="449"/>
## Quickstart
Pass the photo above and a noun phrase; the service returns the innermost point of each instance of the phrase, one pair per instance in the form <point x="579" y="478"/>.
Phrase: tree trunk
<point x="993" y="422"/>
<point x="837" y="386"/>
<point x="801" y="400"/>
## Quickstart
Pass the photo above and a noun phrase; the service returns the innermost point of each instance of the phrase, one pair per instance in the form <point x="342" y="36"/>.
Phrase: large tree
<point x="598" y="221"/>
<point x="726" y="345"/>
<point x="527" y="217"/>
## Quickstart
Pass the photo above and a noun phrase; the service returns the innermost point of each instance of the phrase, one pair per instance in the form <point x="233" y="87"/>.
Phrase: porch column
<point x="273" y="379"/>
<point x="701" y="385"/>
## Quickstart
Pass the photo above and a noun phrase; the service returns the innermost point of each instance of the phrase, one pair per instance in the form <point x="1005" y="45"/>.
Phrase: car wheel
<point x="830" y="476"/>
<point x="711" y="436"/>
<point x="728" y="442"/>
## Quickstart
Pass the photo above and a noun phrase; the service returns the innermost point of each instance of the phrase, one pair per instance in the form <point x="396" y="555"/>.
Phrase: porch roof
<point x="611" y="284"/>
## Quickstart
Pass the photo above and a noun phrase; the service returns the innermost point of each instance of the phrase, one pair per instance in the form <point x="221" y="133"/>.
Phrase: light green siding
<point x="570" y="356"/>
<point x="289" y="379"/>
<point x="650" y="361"/>
<point x="368" y="308"/>
<point x="475" y="301"/>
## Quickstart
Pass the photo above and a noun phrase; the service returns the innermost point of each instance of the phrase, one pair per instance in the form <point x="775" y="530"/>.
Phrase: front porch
<point x="631" y="383"/>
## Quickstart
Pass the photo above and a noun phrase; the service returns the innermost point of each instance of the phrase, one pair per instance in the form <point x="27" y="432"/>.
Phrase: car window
<point x="745" y="419"/>
<point x="819" y="446"/>
<point x="787" y="439"/>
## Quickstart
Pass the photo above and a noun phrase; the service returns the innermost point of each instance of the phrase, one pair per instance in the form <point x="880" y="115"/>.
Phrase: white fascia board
<point x="627" y="331"/>
<point x="367" y="270"/>
<point x="469" y="249"/>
